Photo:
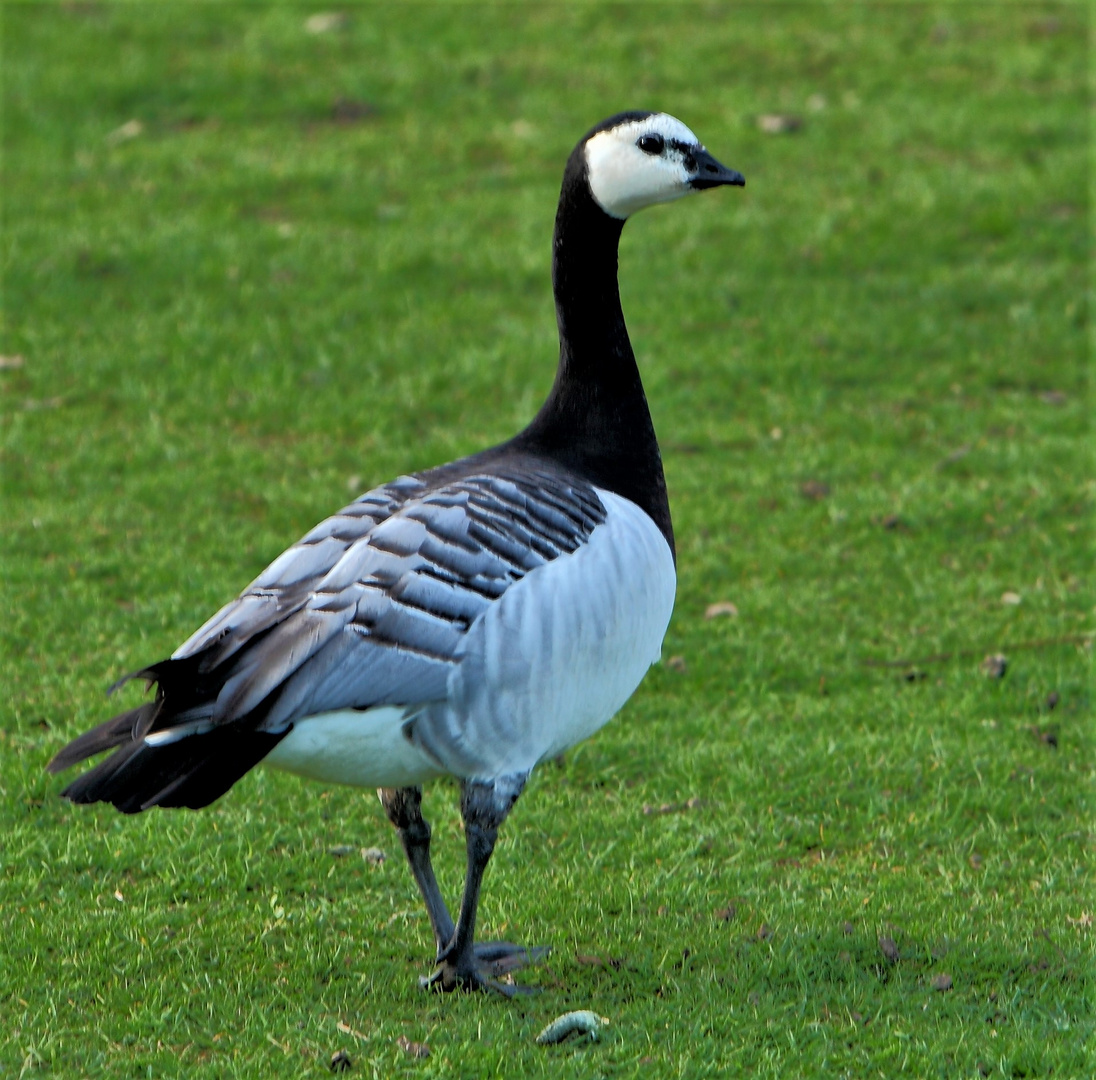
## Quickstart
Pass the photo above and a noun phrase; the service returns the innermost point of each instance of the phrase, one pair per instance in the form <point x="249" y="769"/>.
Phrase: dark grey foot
<point x="491" y="961"/>
<point x="462" y="964"/>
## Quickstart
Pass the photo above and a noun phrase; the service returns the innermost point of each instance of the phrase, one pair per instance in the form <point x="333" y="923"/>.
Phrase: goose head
<point x="637" y="159"/>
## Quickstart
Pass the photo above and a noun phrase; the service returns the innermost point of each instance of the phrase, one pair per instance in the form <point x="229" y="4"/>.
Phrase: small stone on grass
<point x="129" y="130"/>
<point x="888" y="948"/>
<point x="814" y="489"/>
<point x="778" y="123"/>
<point x="346" y="110"/>
<point x="324" y="22"/>
<point x="1047" y="736"/>
<point x="413" y="1049"/>
<point x="723" y="607"/>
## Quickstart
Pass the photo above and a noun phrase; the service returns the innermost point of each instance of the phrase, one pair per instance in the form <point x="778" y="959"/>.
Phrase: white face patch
<point x="625" y="178"/>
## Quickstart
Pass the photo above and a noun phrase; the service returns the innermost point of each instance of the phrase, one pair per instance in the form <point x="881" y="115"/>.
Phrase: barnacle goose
<point x="471" y="620"/>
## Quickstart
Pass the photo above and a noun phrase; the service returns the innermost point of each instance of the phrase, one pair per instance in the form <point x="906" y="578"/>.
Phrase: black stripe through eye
<point x="651" y="144"/>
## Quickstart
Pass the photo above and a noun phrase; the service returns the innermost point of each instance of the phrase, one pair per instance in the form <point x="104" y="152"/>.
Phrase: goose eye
<point x="651" y="144"/>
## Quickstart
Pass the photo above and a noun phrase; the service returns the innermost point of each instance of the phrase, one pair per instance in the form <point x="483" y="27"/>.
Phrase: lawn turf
<point x="317" y="260"/>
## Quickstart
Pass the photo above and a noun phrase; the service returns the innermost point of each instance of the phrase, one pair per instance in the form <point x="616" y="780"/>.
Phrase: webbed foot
<point x="490" y="962"/>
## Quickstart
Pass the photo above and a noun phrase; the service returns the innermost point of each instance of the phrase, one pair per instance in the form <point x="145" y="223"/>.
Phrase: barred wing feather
<point x="371" y="607"/>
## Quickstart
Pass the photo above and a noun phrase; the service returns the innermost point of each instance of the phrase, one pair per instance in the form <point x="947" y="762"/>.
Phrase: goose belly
<point x="362" y="748"/>
<point x="559" y="653"/>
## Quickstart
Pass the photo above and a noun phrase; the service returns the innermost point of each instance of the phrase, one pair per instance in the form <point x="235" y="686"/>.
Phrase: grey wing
<point x="371" y="607"/>
<point x="286" y="585"/>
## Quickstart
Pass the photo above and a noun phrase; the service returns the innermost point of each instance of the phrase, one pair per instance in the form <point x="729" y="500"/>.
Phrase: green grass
<point x="252" y="310"/>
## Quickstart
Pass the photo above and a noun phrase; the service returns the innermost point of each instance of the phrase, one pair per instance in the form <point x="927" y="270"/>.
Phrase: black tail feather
<point x="192" y="772"/>
<point x="116" y="731"/>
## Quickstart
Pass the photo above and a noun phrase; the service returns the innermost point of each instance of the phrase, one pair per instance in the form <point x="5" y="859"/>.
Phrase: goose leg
<point x="404" y="809"/>
<point x="463" y="964"/>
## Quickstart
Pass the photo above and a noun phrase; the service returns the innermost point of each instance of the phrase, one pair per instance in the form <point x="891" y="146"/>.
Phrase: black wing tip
<point x="130" y="726"/>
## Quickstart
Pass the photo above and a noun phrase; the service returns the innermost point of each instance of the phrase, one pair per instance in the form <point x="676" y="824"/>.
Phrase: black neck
<point x="596" y="421"/>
